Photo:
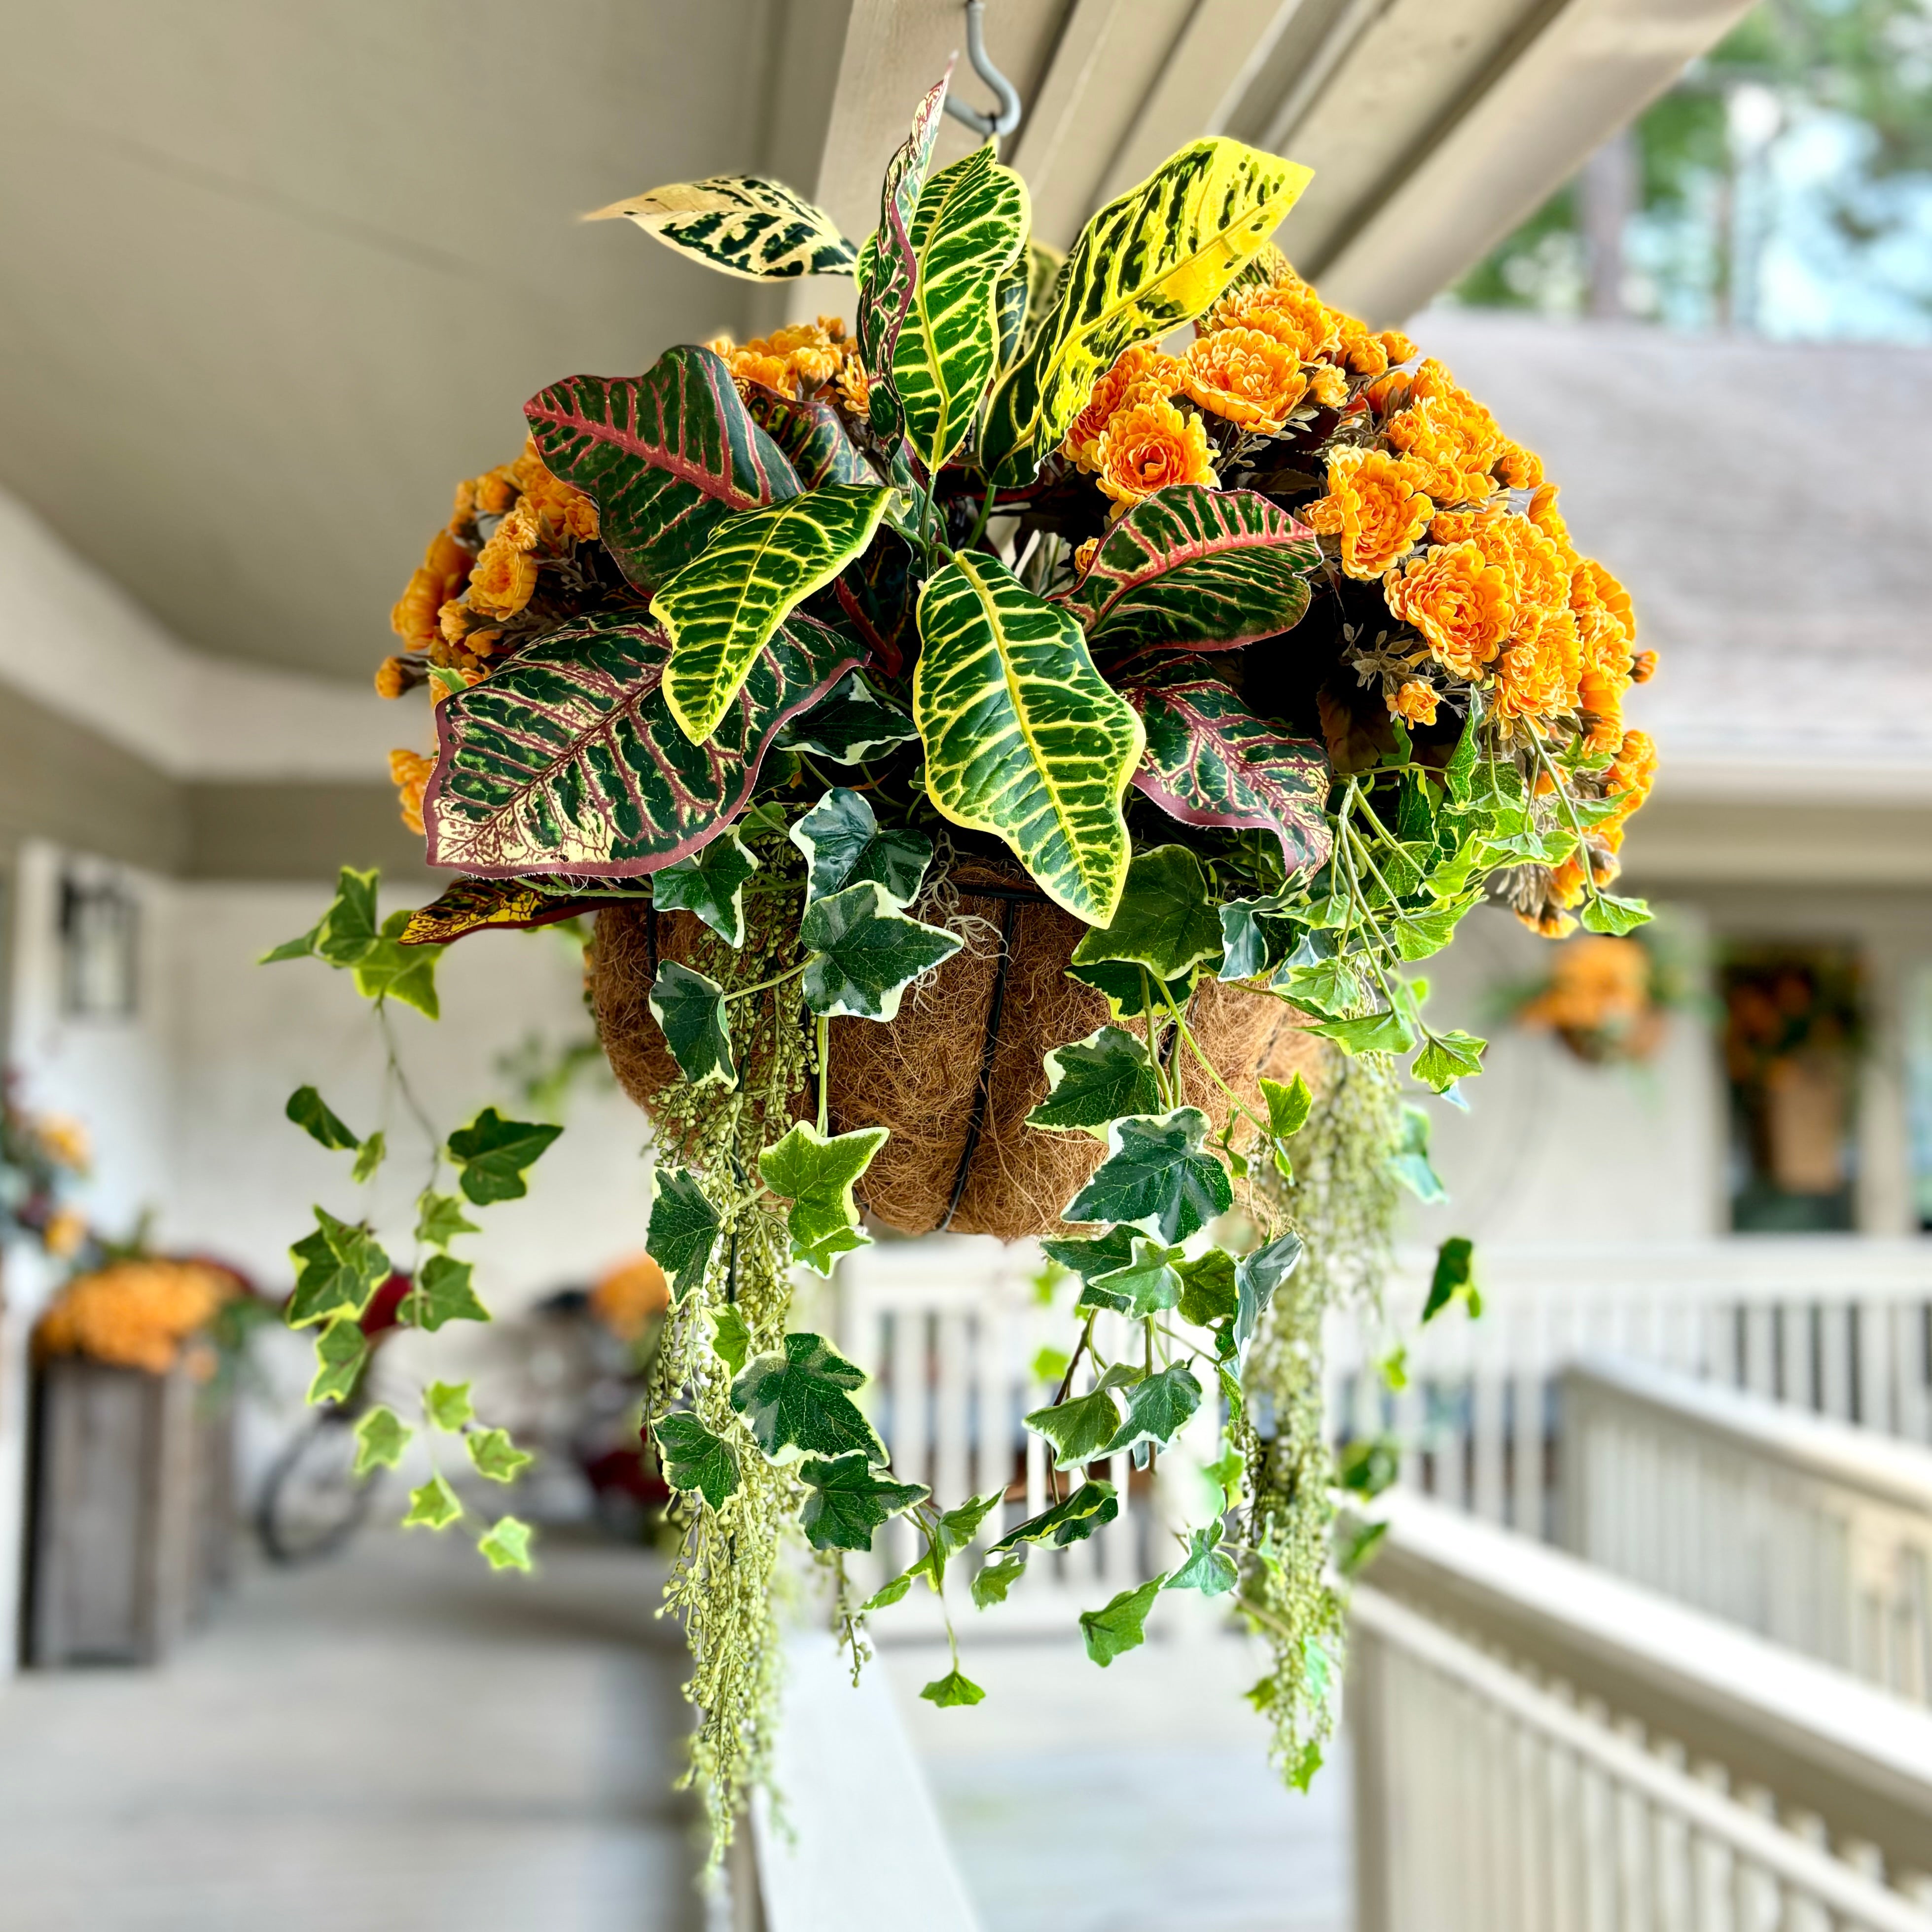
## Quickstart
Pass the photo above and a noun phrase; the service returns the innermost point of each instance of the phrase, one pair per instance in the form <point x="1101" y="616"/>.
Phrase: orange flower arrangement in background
<point x="793" y="361"/>
<point x="628" y="1297"/>
<point x="134" y="1314"/>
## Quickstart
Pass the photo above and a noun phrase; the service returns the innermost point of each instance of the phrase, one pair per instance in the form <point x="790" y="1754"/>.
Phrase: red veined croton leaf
<point x="1192" y="568"/>
<point x="474" y="905"/>
<point x="1209" y="760"/>
<point x="568" y="759"/>
<point x="813" y="437"/>
<point x="666" y="457"/>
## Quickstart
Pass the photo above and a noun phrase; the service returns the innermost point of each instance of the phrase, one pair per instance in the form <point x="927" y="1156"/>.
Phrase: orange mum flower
<point x="391" y="679"/>
<point x="506" y="576"/>
<point x="1327" y="385"/>
<point x="1289" y="311"/>
<point x="1148" y="446"/>
<point x="1376" y="504"/>
<point x="1451" y="435"/>
<point x="855" y="386"/>
<point x="1458" y="600"/>
<point x="1415" y="701"/>
<point x="1518" y="468"/>
<point x="1592" y="587"/>
<point x="1539" y="580"/>
<point x="410" y="772"/>
<point x="1144" y="364"/>
<point x="1632" y="773"/>
<point x="1536" y="677"/>
<point x="560" y="507"/>
<point x="495" y="491"/>
<point x="446" y="564"/>
<point x="1643" y="668"/>
<point x="1244" y="377"/>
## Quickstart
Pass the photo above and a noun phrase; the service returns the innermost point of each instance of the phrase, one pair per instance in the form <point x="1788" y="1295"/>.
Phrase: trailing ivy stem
<point x="824" y="1031"/>
<point x="765" y="985"/>
<point x="1080" y="1348"/>
<point x="1562" y="791"/>
<point x="1214" y="1072"/>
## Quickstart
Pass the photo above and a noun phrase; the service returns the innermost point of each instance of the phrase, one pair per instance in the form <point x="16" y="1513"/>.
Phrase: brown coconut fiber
<point x="924" y="1076"/>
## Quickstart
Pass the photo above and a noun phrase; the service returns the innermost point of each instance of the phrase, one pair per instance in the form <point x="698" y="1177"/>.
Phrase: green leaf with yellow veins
<point x="1165" y="921"/>
<point x="439" y="1219"/>
<point x="1089" y="1506"/>
<point x="338" y="1267"/>
<point x="695" y="1458"/>
<point x="955" y="1688"/>
<point x="1158" y="1176"/>
<point x="1256" y="1277"/>
<point x="1207" y="1290"/>
<point x="432" y="1506"/>
<point x="312" y="1114"/>
<point x="1158" y="1406"/>
<point x="1079" y="1429"/>
<point x="1146" y="1286"/>
<point x="1288" y="1105"/>
<point x="730" y="1338"/>
<point x="341" y="1350"/>
<point x="797" y="1402"/>
<point x="1208" y="1568"/>
<point x="709" y="882"/>
<point x="1120" y="1624"/>
<point x="369" y="1156"/>
<point x="843" y="846"/>
<point x="816" y="1175"/>
<point x="380" y="1439"/>
<point x="448" y="1404"/>
<point x="493" y="1153"/>
<point x="507" y="1546"/>
<point x="848" y="1502"/>
<point x="683" y="1230"/>
<point x="864" y="952"/>
<point x="1094" y="1082"/>
<point x="443" y="1293"/>
<point x="496" y="1456"/>
<point x="994" y="1581"/>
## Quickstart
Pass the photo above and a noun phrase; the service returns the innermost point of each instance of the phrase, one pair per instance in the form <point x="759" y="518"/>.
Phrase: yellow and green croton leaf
<point x="471" y="905"/>
<point x="1024" y="738"/>
<point x="969" y="229"/>
<point x="568" y="759"/>
<point x="1159" y="256"/>
<point x="722" y="609"/>
<point x="1209" y="760"/>
<point x="1195" y="569"/>
<point x="666" y="457"/>
<point x="813" y="436"/>
<point x="742" y="224"/>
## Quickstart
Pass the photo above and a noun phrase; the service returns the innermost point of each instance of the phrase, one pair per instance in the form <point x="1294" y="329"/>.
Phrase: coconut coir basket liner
<point x="955" y="1076"/>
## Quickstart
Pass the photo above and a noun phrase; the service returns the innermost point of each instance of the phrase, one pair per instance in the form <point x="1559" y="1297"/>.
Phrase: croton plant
<point x="1243" y="631"/>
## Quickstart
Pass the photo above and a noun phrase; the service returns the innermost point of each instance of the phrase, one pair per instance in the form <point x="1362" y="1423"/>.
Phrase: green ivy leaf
<point x="496" y="1456"/>
<point x="433" y="1505"/>
<point x="1387" y="1032"/>
<point x="443" y="1293"/>
<point x="843" y="846"/>
<point x="847" y="1503"/>
<point x="816" y="1175"/>
<point x="1208" y="1568"/>
<point x="507" y="1545"/>
<point x="1227" y="1469"/>
<point x="380" y="1437"/>
<point x="493" y="1153"/>
<point x="1079" y="1430"/>
<point x="1254" y="937"/>
<point x="338" y="1268"/>
<point x="390" y="971"/>
<point x="1159" y="1405"/>
<point x="1157" y="1177"/>
<point x="993" y="1582"/>
<point x="1092" y="1505"/>
<point x="1114" y="1249"/>
<point x="1454" y="1275"/>
<point x="448" y="1404"/>
<point x="1095" y="1080"/>
<point x="341" y="1350"/>
<point x="796" y="1403"/>
<point x="1120" y="1624"/>
<point x="955" y="1688"/>
<point x="865" y="952"/>
<point x="1288" y="1105"/>
<point x="690" y="1010"/>
<point x="887" y="1595"/>
<point x="1050" y="1364"/>
<point x="439" y="1219"/>
<point x="1410" y="1160"/>
<point x="1149" y="1283"/>
<point x="1607" y="913"/>
<point x="369" y="1156"/>
<point x="1358" y="1546"/>
<point x="1368" y="1467"/>
<point x="683" y="1230"/>
<point x="1256" y="1277"/>
<point x="851" y="725"/>
<point x="346" y="929"/>
<point x="1165" y="922"/>
<point x="730" y="1338"/>
<point x="312" y="1113"/>
<point x="695" y="1458"/>
<point x="709" y="882"/>
<point x="1447" y="1058"/>
<point x="1207" y="1290"/>
<point x="1419" y="935"/>
<point x="1132" y="992"/>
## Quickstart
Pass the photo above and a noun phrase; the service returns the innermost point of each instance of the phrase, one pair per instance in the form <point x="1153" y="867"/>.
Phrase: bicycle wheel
<point x="312" y="1502"/>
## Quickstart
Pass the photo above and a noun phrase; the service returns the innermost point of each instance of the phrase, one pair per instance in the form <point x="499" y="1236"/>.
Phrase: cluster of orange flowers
<point x="1599" y="997"/>
<point x="134" y="1314"/>
<point x="797" y="361"/>
<point x="630" y="1296"/>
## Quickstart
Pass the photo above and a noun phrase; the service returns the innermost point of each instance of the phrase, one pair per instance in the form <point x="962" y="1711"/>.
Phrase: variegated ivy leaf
<point x="380" y="1439"/>
<point x="1208" y="1568"/>
<point x="1095" y="1080"/>
<point x="1149" y="1284"/>
<point x="666" y="457"/>
<point x="851" y="725"/>
<point x="1254" y="936"/>
<point x="505" y="1545"/>
<point x="846" y="1503"/>
<point x="1164" y="921"/>
<point x="1158" y="256"/>
<point x="1090" y="1506"/>
<point x="337" y="1267"/>
<point x="1132" y="992"/>
<point x="1158" y="1176"/>
<point x="495" y="1455"/>
<point x="1209" y="760"/>
<point x="433" y="1505"/>
<point x="1113" y="1249"/>
<point x="695" y="1458"/>
<point x="683" y="1230"/>
<point x="1196" y="569"/>
<point x="690" y="1010"/>
<point x="341" y="1353"/>
<point x="1120" y="1624"/>
<point x="568" y="759"/>
<point x="1256" y="1277"/>
<point x="1158" y="1407"/>
<point x="816" y="1175"/>
<point x="970" y="227"/>
<point x="1024" y="738"/>
<point x="723" y="608"/>
<point x="319" y="1121"/>
<point x="865" y="952"/>
<point x="797" y="1402"/>
<point x="888" y="266"/>
<point x="709" y="882"/>
<point x="1079" y="1430"/>
<point x="843" y="846"/>
<point x="494" y="1154"/>
<point x="742" y="224"/>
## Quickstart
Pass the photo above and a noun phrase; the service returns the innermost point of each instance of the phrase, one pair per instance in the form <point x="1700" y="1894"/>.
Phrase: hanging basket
<point x="955" y="1074"/>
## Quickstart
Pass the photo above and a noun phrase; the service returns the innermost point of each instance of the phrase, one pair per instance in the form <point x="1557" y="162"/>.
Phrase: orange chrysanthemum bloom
<point x="855" y="386"/>
<point x="446" y="564"/>
<point x="561" y="507"/>
<point x="1536" y="677"/>
<point x="495" y="491"/>
<point x="1149" y="445"/>
<point x="1244" y="377"/>
<point x="391" y="679"/>
<point x="1449" y="433"/>
<point x="1539" y="580"/>
<point x="1415" y="700"/>
<point x="1458" y="600"/>
<point x="135" y="1314"/>
<point x="1133" y="368"/>
<point x="1632" y="773"/>
<point x="409" y="772"/>
<point x="506" y="576"/>
<point x="1643" y="668"/>
<point x="1084" y="555"/>
<point x="1543" y="513"/>
<point x="1289" y="311"/>
<point x="1593" y="588"/>
<point x="1359" y="348"/>
<point x="1376" y="504"/>
<point x="1518" y="468"/>
<point x="1327" y="385"/>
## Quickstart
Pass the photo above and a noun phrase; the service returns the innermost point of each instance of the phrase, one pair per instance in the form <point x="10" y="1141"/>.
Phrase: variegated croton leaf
<point x="1209" y="760"/>
<point x="812" y="435"/>
<point x="741" y="223"/>
<point x="667" y="457"/>
<point x="1192" y="568"/>
<point x="471" y="905"/>
<point x="568" y="759"/>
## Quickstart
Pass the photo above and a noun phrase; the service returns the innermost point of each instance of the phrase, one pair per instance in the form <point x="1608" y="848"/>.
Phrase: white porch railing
<point x="1538" y="1747"/>
<point x="1815" y="1534"/>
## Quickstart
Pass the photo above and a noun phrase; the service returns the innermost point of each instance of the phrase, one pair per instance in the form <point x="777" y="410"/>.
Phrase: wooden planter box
<point x="133" y="1506"/>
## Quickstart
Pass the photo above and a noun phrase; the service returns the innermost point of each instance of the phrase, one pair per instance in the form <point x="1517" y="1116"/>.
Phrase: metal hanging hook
<point x="1008" y="117"/>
